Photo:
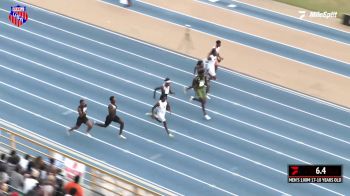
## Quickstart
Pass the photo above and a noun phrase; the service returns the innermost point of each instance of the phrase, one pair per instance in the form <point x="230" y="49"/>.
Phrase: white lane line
<point x="182" y="117"/>
<point x="155" y="156"/>
<point x="268" y="21"/>
<point x="193" y="121"/>
<point x="317" y="100"/>
<point x="183" y="71"/>
<point x="309" y="21"/>
<point x="116" y="147"/>
<point x="234" y="29"/>
<point x="158" y="155"/>
<point x="238" y="43"/>
<point x="115" y="170"/>
<point x="148" y="140"/>
<point x="255" y="162"/>
<point x="232" y="5"/>
<point x="150" y="89"/>
<point x="67" y="112"/>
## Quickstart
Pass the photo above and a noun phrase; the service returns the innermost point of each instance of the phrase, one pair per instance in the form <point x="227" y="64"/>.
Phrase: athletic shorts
<point x="211" y="71"/>
<point x="160" y="115"/>
<point x="201" y="93"/>
<point x="109" y="120"/>
<point x="81" y="120"/>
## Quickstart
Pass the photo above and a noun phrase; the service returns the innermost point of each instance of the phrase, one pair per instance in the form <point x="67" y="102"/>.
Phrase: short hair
<point x="111" y="98"/>
<point x="77" y="179"/>
<point x="199" y="62"/>
<point x="218" y="41"/>
<point x="27" y="156"/>
<point x="13" y="152"/>
<point x="81" y="101"/>
<point x="162" y="96"/>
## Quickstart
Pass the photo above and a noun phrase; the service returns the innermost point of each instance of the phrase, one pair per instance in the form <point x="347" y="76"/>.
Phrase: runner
<point x="112" y="116"/>
<point x="217" y="49"/>
<point x="165" y="89"/>
<point x="210" y="64"/>
<point x="199" y="66"/>
<point x="199" y="84"/>
<point x="158" y="112"/>
<point x="82" y="118"/>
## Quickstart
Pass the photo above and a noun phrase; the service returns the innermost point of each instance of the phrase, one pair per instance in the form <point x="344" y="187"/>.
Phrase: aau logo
<point x="18" y="15"/>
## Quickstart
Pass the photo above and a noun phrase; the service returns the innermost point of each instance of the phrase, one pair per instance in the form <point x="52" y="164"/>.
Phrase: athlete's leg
<point x="107" y="122"/>
<point x="89" y="125"/>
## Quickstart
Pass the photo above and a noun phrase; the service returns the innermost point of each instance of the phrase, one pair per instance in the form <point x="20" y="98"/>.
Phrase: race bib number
<point x="201" y="83"/>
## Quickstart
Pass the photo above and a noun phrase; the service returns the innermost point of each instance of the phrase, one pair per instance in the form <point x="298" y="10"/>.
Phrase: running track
<point x="279" y="18"/>
<point x="253" y="41"/>
<point x="256" y="129"/>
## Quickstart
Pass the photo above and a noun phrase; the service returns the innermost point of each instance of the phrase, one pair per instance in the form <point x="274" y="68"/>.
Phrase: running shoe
<point x="89" y="135"/>
<point x="207" y="117"/>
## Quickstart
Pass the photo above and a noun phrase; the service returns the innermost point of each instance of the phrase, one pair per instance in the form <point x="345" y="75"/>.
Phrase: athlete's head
<point x="162" y="98"/>
<point x="201" y="72"/>
<point x="82" y="102"/>
<point x="167" y="81"/>
<point x="200" y="63"/>
<point x="218" y="43"/>
<point x="112" y="99"/>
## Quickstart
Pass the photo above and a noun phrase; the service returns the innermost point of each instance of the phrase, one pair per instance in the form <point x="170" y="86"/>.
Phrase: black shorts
<point x="109" y="120"/>
<point x="82" y="120"/>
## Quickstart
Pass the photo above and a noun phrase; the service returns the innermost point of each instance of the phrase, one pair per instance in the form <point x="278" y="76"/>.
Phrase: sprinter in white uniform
<point x="210" y="65"/>
<point x="159" y="110"/>
<point x="165" y="88"/>
<point x="112" y="116"/>
<point x="217" y="50"/>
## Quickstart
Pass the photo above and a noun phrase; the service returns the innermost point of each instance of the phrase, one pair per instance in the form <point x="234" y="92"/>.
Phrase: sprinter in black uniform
<point x="112" y="116"/>
<point x="82" y="118"/>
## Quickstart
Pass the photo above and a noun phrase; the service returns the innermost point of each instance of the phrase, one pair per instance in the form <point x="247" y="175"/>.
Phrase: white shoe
<point x="122" y="137"/>
<point x="89" y="135"/>
<point x="68" y="132"/>
<point x="191" y="98"/>
<point x="148" y="114"/>
<point x="170" y="135"/>
<point x="207" y="117"/>
<point x="208" y="97"/>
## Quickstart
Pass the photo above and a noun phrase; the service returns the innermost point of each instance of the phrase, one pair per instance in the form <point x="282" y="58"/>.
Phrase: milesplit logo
<point x="325" y="15"/>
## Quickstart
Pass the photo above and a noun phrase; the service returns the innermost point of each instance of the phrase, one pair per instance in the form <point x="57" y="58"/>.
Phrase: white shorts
<point x="211" y="71"/>
<point x="160" y="116"/>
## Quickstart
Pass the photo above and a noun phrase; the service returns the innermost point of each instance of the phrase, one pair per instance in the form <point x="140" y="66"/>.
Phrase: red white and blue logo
<point x="18" y="15"/>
